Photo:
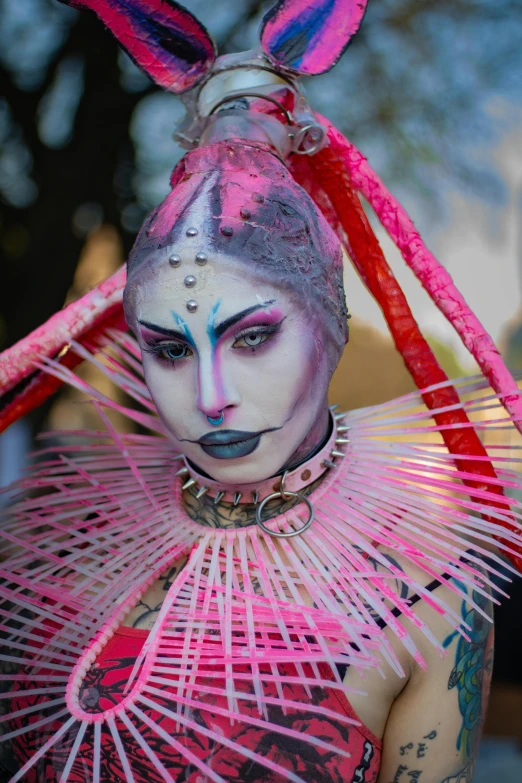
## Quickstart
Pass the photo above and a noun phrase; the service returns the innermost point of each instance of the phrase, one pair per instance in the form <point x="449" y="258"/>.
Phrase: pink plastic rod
<point x="17" y="362"/>
<point x="432" y="275"/>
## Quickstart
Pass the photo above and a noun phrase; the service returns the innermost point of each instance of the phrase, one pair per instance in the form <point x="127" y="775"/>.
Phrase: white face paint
<point x="240" y="382"/>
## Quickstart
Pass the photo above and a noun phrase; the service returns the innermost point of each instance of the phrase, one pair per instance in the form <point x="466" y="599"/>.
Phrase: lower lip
<point x="231" y="450"/>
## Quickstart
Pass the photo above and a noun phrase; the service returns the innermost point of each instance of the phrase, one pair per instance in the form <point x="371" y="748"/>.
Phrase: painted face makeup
<point x="239" y="382"/>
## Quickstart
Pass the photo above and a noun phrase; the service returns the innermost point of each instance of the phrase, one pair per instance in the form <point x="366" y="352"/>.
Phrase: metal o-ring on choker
<point x="284" y="494"/>
<point x="279" y="534"/>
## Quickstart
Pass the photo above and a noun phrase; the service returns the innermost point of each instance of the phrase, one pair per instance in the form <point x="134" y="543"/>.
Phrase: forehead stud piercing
<point x="201" y="259"/>
<point x="192" y="232"/>
<point x="258" y="198"/>
<point x="190" y="281"/>
<point x="192" y="306"/>
<point x="245" y="213"/>
<point x="216" y="422"/>
<point x="227" y="231"/>
<point x="175" y="260"/>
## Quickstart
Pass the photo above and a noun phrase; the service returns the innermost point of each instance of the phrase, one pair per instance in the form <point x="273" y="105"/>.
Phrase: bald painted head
<point x="235" y="293"/>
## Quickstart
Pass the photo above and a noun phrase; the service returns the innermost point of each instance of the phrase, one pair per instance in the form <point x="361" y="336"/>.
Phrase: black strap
<point x="396" y="612"/>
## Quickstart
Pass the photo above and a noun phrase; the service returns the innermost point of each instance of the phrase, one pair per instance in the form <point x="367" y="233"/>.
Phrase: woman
<point x="272" y="591"/>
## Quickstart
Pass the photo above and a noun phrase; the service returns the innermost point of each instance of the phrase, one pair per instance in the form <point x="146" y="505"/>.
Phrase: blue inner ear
<point x="294" y="39"/>
<point x="309" y="37"/>
<point x="171" y="41"/>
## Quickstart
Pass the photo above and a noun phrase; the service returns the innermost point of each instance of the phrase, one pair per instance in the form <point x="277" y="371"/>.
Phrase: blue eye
<point x="170" y="352"/>
<point x="176" y="351"/>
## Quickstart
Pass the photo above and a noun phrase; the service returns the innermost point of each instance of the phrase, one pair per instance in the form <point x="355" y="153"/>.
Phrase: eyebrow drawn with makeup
<point x="163" y="330"/>
<point x="218" y="330"/>
<point x="222" y="327"/>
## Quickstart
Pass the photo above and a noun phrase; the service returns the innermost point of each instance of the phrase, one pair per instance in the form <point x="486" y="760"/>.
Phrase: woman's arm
<point x="434" y="726"/>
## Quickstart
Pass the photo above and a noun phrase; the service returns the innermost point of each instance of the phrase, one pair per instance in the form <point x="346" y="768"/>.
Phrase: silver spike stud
<point x="341" y="441"/>
<point x="328" y="464"/>
<point x="175" y="260"/>
<point x="190" y="281"/>
<point x="237" y="498"/>
<point x="335" y="453"/>
<point x="201" y="259"/>
<point x="339" y="416"/>
<point x="218" y="497"/>
<point x="334" y="407"/>
<point x="255" y="497"/>
<point x="189" y="483"/>
<point x="201" y="492"/>
<point x="192" y="306"/>
<point x="192" y="232"/>
<point x="182" y="471"/>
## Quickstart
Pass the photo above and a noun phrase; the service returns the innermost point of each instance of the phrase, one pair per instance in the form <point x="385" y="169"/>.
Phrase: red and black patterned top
<point x="103" y="688"/>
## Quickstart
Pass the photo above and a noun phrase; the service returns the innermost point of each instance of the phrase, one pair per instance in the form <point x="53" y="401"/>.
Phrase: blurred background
<point x="431" y="91"/>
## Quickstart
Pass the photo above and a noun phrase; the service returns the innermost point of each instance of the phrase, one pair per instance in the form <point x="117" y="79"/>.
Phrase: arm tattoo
<point x="408" y="770"/>
<point x="471" y="678"/>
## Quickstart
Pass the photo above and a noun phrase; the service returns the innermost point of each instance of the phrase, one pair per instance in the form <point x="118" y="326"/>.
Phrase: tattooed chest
<point x="145" y="613"/>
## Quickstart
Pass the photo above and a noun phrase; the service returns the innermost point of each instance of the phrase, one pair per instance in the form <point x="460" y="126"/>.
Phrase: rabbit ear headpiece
<point x="297" y="37"/>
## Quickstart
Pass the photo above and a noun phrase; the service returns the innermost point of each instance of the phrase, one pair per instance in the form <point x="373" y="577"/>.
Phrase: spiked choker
<point x="287" y="485"/>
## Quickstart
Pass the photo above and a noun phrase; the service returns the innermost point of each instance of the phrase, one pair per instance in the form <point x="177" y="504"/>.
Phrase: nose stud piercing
<point x="215" y="422"/>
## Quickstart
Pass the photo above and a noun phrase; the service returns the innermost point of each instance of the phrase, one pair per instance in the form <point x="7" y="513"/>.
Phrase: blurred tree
<point x="86" y="139"/>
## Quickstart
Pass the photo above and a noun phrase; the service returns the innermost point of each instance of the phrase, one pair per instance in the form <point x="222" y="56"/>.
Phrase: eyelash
<point x="160" y="349"/>
<point x="263" y="331"/>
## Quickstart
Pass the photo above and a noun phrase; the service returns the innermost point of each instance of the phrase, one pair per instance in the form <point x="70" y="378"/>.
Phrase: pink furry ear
<point x="162" y="37"/>
<point x="309" y="36"/>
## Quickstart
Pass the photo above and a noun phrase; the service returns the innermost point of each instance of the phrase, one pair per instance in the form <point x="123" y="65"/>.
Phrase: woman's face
<point x="240" y="381"/>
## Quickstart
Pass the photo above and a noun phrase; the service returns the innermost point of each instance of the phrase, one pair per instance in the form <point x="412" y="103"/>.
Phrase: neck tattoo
<point x="226" y="515"/>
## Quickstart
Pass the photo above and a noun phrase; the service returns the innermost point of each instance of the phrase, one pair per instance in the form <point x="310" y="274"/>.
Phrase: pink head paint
<point x="255" y="213"/>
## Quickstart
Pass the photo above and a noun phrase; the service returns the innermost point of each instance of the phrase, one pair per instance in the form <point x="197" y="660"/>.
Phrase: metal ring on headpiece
<point x="278" y="534"/>
<point x="301" y="136"/>
<point x="230" y="96"/>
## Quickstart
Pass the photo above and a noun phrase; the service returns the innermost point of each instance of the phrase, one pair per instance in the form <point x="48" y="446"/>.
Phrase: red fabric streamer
<point x="325" y="178"/>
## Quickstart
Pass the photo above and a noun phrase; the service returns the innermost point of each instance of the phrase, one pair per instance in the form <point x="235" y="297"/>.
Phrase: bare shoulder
<point x="381" y="694"/>
<point x="434" y="725"/>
